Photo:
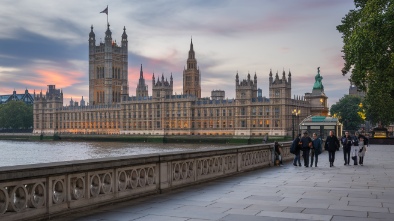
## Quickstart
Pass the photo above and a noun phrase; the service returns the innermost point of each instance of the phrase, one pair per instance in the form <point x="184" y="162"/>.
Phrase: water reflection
<point x="32" y="152"/>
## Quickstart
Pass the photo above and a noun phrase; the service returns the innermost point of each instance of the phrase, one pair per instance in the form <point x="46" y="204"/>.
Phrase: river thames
<point x="31" y="152"/>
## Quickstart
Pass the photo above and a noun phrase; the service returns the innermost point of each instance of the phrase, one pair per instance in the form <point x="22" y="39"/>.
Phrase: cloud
<point x="49" y="42"/>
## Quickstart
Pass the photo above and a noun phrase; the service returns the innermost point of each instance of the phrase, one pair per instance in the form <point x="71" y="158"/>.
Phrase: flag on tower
<point x="105" y="10"/>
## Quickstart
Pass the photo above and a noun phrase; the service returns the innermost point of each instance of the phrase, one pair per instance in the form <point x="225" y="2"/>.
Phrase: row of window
<point x="203" y="124"/>
<point x="116" y="73"/>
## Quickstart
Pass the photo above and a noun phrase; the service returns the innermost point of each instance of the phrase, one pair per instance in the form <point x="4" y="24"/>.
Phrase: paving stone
<point x="243" y="211"/>
<point x="236" y="217"/>
<point x="293" y="210"/>
<point x="295" y="215"/>
<point x="335" y="212"/>
<point x="361" y="208"/>
<point x="161" y="218"/>
<point x="238" y="205"/>
<point x="389" y="216"/>
<point x="347" y="218"/>
<point x="363" y="203"/>
<point x="265" y="198"/>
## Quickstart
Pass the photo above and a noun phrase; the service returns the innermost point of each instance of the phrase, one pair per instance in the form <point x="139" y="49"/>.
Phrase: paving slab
<point x="344" y="193"/>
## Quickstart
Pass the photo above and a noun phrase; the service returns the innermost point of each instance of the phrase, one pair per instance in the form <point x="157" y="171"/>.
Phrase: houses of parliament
<point x="111" y="110"/>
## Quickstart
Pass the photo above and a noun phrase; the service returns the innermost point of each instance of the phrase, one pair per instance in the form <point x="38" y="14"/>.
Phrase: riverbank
<point x="147" y="138"/>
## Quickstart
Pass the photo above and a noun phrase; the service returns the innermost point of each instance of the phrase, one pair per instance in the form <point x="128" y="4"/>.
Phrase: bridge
<point x="237" y="183"/>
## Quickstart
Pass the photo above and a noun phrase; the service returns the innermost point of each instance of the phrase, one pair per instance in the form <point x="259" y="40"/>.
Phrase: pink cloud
<point x="60" y="79"/>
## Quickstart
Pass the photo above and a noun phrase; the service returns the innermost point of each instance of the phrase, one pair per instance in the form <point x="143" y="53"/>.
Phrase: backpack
<point x="293" y="148"/>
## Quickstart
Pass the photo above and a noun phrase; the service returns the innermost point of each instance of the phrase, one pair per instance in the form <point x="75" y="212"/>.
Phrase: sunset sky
<point x="45" y="42"/>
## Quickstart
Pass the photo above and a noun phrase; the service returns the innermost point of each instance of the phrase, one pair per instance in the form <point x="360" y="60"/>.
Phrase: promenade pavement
<point x="340" y="193"/>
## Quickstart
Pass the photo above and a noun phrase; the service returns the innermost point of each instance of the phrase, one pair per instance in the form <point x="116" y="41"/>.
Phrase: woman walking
<point x="317" y="149"/>
<point x="363" y="143"/>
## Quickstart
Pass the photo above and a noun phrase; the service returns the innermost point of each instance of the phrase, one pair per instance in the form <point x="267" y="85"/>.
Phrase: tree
<point x="346" y="110"/>
<point x="368" y="37"/>
<point x="16" y="115"/>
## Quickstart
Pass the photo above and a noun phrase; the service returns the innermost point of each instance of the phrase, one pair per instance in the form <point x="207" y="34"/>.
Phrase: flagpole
<point x="107" y="14"/>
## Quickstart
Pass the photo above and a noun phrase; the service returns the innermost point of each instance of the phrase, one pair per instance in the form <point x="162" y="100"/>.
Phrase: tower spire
<point x="141" y="73"/>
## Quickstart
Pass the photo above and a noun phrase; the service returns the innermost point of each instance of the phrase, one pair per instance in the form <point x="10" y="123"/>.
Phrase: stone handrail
<point x="39" y="191"/>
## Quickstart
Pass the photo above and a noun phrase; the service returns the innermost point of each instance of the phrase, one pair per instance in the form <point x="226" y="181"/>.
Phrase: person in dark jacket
<point x="317" y="149"/>
<point x="296" y="143"/>
<point x="306" y="144"/>
<point x="347" y="145"/>
<point x="331" y="145"/>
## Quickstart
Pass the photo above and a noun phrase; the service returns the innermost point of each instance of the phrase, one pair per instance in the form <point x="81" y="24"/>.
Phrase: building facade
<point x="112" y="111"/>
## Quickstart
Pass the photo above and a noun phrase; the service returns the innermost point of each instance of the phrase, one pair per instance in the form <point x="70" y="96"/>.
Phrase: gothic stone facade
<point x="112" y="111"/>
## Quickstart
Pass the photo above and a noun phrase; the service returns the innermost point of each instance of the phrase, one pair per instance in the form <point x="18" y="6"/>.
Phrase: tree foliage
<point x="347" y="112"/>
<point x="368" y="37"/>
<point x="16" y="115"/>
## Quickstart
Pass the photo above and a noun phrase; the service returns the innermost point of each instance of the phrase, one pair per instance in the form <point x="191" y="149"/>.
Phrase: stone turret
<point x="246" y="89"/>
<point x="142" y="88"/>
<point x="191" y="75"/>
<point x="43" y="109"/>
<point x="162" y="88"/>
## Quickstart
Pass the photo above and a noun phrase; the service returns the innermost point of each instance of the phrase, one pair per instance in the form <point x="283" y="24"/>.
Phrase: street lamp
<point x="321" y="102"/>
<point x="295" y="113"/>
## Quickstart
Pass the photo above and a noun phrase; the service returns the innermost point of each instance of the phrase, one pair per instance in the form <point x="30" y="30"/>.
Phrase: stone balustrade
<point x="40" y="191"/>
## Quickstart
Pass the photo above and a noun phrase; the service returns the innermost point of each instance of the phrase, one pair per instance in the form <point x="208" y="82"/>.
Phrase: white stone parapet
<point x="38" y="191"/>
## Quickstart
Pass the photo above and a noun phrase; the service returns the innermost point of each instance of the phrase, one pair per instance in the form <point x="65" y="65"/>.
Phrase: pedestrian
<point x="355" y="148"/>
<point x="297" y="150"/>
<point x="317" y="149"/>
<point x="347" y="144"/>
<point x="306" y="145"/>
<point x="278" y="153"/>
<point x="331" y="145"/>
<point x="363" y="143"/>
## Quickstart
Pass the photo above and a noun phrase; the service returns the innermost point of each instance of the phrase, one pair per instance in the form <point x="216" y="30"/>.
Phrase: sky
<point x="45" y="42"/>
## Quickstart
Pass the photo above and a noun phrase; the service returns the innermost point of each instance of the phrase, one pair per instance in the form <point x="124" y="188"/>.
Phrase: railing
<point x="41" y="191"/>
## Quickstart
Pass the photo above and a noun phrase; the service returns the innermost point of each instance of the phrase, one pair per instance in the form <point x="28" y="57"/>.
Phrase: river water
<point x="32" y="152"/>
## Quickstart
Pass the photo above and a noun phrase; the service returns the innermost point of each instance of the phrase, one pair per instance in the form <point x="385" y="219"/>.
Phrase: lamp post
<point x="295" y="113"/>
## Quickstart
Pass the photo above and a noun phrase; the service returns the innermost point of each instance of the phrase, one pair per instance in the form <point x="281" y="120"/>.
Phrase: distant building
<point x="353" y="90"/>
<point x="218" y="94"/>
<point x="112" y="111"/>
<point x="26" y="97"/>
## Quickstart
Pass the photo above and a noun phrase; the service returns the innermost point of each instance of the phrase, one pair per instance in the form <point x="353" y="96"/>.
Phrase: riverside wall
<point x="41" y="191"/>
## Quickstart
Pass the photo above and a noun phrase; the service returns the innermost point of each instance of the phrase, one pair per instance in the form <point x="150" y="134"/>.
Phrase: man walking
<point x="331" y="145"/>
<point x="347" y="145"/>
<point x="306" y="144"/>
<point x="317" y="149"/>
<point x="296" y="146"/>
